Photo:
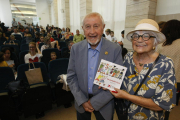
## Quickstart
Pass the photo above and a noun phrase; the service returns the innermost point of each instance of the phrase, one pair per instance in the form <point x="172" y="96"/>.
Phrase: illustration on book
<point x="109" y="75"/>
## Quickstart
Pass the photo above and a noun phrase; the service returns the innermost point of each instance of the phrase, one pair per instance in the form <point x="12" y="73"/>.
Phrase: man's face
<point x="93" y="29"/>
<point x="63" y="29"/>
<point x="27" y="30"/>
<point x="77" y="32"/>
<point x="112" y="34"/>
<point x="122" y="35"/>
<point x="15" y="30"/>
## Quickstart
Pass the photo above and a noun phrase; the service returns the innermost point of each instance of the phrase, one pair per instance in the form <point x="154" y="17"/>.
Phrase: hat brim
<point x="161" y="37"/>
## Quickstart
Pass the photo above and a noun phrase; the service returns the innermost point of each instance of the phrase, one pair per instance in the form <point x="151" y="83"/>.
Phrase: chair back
<point x="62" y="44"/>
<point x="71" y="38"/>
<point x="24" y="47"/>
<point x="47" y="55"/>
<point x="6" y="76"/>
<point x="25" y="67"/>
<point x="21" y="56"/>
<point x="40" y="45"/>
<point x="63" y="51"/>
<point x="57" y="67"/>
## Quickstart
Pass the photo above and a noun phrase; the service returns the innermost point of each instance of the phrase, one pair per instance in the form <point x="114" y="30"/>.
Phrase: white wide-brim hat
<point x="148" y="25"/>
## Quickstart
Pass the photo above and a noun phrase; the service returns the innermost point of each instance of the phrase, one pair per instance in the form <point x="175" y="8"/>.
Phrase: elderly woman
<point x="158" y="91"/>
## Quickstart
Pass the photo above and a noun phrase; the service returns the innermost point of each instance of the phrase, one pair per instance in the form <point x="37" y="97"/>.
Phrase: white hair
<point x="93" y="14"/>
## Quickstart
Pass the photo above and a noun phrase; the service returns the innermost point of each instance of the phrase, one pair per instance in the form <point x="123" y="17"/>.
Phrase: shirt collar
<point x="98" y="48"/>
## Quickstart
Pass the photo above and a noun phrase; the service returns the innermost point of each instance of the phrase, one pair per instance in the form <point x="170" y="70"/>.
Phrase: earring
<point x="153" y="48"/>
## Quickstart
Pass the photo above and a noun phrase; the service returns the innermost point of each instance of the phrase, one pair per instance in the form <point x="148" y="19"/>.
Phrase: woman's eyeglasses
<point x="145" y="36"/>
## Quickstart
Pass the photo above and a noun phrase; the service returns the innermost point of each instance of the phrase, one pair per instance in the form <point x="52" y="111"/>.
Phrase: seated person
<point x="66" y="54"/>
<point x="78" y="37"/>
<point x="41" y="40"/>
<point x="53" y="56"/>
<point x="11" y="41"/>
<point x="67" y="34"/>
<point x="16" y="32"/>
<point x="8" y="58"/>
<point x="2" y="38"/>
<point x="3" y="63"/>
<point x="37" y="37"/>
<point x="34" y="54"/>
<point x="48" y="44"/>
<point x="29" y="38"/>
<point x="114" y="39"/>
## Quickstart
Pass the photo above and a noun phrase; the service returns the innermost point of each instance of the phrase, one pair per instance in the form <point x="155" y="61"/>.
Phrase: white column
<point x="5" y="12"/>
<point x="42" y="9"/>
<point x="74" y="8"/>
<point x="61" y="13"/>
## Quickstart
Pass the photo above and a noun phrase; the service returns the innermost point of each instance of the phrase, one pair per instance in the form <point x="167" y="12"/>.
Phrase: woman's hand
<point x="120" y="94"/>
<point x="11" y="66"/>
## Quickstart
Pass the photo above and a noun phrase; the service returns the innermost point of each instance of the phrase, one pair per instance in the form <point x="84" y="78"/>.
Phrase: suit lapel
<point x="84" y="63"/>
<point x="102" y="55"/>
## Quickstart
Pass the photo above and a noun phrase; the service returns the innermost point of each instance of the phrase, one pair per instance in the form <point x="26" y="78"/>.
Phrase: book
<point x="109" y="75"/>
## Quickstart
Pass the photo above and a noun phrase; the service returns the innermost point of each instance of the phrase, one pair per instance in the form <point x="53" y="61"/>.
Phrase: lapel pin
<point x="106" y="53"/>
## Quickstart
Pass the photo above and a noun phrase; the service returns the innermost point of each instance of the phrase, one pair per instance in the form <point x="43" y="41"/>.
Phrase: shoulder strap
<point x="145" y="77"/>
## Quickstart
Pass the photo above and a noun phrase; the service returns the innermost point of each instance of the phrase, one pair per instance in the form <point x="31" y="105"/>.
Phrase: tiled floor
<point x="61" y="113"/>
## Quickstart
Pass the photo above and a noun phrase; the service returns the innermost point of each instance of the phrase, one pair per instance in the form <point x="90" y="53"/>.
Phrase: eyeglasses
<point x="145" y="36"/>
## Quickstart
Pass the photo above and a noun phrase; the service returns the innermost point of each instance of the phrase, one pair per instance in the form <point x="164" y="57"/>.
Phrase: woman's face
<point x="7" y="55"/>
<point x="141" y="46"/>
<point x="42" y="39"/>
<point x="68" y="30"/>
<point x="32" y="48"/>
<point x="107" y="33"/>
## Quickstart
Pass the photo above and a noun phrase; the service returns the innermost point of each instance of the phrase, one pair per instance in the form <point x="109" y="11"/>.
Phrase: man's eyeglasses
<point x="145" y="36"/>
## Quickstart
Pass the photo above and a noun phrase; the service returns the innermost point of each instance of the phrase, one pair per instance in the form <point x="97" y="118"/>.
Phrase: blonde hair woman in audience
<point x="108" y="36"/>
<point x="34" y="54"/>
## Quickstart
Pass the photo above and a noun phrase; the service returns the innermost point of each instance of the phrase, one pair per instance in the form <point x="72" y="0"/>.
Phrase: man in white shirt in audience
<point x="16" y="32"/>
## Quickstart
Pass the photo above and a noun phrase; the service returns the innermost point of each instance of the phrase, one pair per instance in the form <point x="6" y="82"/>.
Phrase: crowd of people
<point x="155" y="51"/>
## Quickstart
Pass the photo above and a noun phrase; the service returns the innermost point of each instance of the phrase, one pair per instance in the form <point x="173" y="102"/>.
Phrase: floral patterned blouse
<point x="160" y="86"/>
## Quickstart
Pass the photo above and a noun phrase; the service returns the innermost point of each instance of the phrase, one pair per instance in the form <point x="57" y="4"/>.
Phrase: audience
<point x="66" y="53"/>
<point x="16" y="32"/>
<point x="41" y="40"/>
<point x="34" y="54"/>
<point x="114" y="39"/>
<point x="29" y="38"/>
<point x="67" y="34"/>
<point x="53" y="56"/>
<point x="11" y="41"/>
<point x="108" y="36"/>
<point x="3" y="63"/>
<point x="2" y="38"/>
<point x="9" y="59"/>
<point x="78" y="37"/>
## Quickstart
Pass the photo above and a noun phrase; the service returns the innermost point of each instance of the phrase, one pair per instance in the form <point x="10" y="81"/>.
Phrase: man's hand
<point x="87" y="106"/>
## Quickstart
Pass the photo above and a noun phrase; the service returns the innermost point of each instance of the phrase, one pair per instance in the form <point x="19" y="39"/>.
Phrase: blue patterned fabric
<point x="160" y="86"/>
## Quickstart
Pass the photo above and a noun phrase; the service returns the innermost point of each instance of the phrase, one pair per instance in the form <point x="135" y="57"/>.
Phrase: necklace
<point x="140" y="64"/>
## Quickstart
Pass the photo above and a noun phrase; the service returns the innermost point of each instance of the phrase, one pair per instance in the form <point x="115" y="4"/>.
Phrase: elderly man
<point x="78" y="37"/>
<point x="84" y="61"/>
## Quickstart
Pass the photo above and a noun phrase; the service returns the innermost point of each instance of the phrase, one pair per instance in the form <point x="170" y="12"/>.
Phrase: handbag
<point x="121" y="107"/>
<point x="17" y="87"/>
<point x="34" y="75"/>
